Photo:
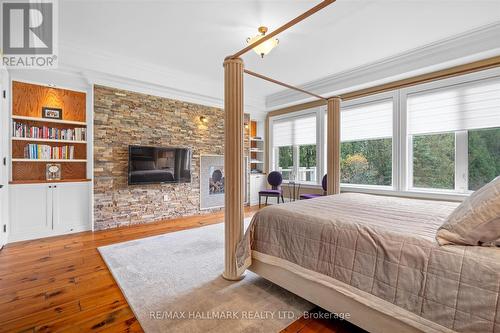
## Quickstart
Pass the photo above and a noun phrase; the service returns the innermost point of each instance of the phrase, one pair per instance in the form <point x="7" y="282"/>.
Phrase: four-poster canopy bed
<point x="374" y="258"/>
<point x="233" y="151"/>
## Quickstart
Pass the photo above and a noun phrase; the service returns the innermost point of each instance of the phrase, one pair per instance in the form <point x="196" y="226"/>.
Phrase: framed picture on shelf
<point x="51" y="113"/>
<point x="53" y="172"/>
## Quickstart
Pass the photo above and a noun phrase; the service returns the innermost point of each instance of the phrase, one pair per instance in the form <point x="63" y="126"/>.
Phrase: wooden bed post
<point x="233" y="163"/>
<point x="333" y="146"/>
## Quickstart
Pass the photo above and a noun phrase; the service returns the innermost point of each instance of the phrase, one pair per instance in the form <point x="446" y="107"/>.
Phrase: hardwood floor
<point x="62" y="284"/>
<point x="321" y="325"/>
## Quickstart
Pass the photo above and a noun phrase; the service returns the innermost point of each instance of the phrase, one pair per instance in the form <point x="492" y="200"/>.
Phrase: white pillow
<point x="476" y="221"/>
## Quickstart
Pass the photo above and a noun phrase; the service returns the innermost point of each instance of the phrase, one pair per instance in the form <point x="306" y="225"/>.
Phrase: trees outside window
<point x="367" y="162"/>
<point x="434" y="161"/>
<point x="484" y="156"/>
<point x="285" y="163"/>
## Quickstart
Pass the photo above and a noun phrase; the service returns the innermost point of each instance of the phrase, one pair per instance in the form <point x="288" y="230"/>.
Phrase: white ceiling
<point x="193" y="37"/>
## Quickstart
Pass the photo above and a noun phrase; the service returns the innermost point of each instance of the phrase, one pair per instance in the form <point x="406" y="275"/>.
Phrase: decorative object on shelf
<point x="53" y="171"/>
<point x="263" y="48"/>
<point x="51" y="113"/>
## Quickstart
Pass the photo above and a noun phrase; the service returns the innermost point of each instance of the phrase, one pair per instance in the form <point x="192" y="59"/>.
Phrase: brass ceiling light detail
<point x="265" y="47"/>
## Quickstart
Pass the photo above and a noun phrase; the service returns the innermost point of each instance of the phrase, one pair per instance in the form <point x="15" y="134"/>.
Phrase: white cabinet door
<point x="30" y="211"/>
<point x="257" y="183"/>
<point x="71" y="207"/>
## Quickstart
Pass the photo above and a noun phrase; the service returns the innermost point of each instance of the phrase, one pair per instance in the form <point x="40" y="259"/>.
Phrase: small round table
<point x="293" y="190"/>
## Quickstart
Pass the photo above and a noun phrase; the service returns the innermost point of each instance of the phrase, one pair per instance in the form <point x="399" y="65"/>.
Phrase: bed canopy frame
<point x="233" y="145"/>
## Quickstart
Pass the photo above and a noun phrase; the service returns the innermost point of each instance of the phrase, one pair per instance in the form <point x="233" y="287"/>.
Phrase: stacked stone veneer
<point x="123" y="118"/>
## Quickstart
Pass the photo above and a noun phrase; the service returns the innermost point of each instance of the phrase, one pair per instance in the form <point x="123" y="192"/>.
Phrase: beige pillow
<point x="476" y="221"/>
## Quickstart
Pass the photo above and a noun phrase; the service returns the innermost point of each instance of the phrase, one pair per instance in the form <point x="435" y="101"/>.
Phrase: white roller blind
<point x="366" y="121"/>
<point x="460" y="107"/>
<point x="299" y="130"/>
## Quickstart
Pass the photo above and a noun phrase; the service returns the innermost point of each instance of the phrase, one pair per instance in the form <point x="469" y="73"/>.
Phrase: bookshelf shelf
<point x="49" y="160"/>
<point x="47" y="140"/>
<point x="49" y="181"/>
<point x="48" y="120"/>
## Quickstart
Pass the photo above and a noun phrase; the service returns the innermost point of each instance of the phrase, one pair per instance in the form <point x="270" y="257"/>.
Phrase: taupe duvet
<point x="384" y="247"/>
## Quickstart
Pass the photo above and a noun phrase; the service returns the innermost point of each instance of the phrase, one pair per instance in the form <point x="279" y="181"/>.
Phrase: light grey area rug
<point x="173" y="283"/>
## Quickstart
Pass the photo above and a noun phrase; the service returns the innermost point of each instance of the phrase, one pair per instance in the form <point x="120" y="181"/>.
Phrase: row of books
<point x="21" y="130"/>
<point x="45" y="152"/>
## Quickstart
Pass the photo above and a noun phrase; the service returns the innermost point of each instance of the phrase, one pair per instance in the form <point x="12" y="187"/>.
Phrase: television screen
<point x="149" y="165"/>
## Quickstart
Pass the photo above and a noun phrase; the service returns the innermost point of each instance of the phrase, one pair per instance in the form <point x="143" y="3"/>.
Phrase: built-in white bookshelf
<point x="48" y="120"/>
<point x="33" y="136"/>
<point x="257" y="149"/>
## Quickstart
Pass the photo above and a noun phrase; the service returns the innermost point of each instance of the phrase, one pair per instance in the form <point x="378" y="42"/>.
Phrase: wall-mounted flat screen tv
<point x="150" y="165"/>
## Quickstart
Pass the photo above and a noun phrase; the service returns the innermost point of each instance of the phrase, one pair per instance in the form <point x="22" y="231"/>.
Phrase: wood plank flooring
<point x="61" y="284"/>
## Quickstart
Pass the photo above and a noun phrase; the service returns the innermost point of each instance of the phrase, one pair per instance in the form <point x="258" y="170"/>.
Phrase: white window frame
<point x="319" y="152"/>
<point x="401" y="145"/>
<point x="394" y="97"/>
<point x="461" y="138"/>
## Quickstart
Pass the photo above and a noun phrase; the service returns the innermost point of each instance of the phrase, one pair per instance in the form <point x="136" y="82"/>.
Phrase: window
<point x="366" y="144"/>
<point x="441" y="137"/>
<point x="453" y="136"/>
<point x="294" y="147"/>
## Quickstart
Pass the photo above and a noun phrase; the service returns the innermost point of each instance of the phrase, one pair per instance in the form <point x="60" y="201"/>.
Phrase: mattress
<point x="383" y="249"/>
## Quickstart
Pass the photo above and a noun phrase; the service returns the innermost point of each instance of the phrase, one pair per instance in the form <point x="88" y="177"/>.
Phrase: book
<point x="22" y="130"/>
<point x="44" y="152"/>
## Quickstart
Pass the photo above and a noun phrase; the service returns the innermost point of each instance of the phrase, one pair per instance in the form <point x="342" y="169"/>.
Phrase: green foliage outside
<point x="307" y="156"/>
<point x="307" y="159"/>
<point x="434" y="161"/>
<point x="370" y="161"/>
<point x="484" y="156"/>
<point x="366" y="162"/>
<point x="285" y="157"/>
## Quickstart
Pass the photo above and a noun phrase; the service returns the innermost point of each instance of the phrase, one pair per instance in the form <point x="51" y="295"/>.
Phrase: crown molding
<point x="117" y="71"/>
<point x="476" y="44"/>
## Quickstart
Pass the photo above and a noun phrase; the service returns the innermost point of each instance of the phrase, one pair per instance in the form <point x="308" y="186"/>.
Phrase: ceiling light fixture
<point x="266" y="47"/>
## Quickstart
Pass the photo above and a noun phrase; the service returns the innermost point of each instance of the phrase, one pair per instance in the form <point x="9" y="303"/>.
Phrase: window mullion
<point x="296" y="161"/>
<point x="404" y="155"/>
<point x="461" y="161"/>
<point x="320" y="154"/>
<point x="395" y="141"/>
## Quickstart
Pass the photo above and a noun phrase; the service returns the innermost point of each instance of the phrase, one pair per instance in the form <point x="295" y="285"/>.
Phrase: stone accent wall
<point x="123" y="118"/>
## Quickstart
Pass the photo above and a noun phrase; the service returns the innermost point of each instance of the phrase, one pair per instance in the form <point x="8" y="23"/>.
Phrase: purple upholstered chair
<point x="274" y="179"/>
<point x="312" y="195"/>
